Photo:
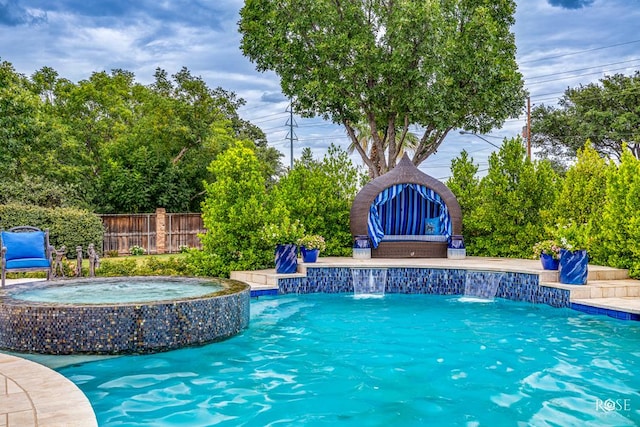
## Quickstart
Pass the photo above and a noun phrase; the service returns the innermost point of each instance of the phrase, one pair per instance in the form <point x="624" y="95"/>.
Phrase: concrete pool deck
<point x="34" y="395"/>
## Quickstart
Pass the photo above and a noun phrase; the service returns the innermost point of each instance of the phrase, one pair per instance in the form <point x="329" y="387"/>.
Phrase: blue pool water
<point x="406" y="360"/>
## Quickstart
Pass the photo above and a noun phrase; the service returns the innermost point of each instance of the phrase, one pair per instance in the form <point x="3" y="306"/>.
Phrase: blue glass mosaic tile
<point x="606" y="312"/>
<point x="255" y="293"/>
<point x="145" y="327"/>
<point x="437" y="281"/>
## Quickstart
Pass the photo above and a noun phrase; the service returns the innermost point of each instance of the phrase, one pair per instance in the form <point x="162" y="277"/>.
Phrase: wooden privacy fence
<point x="157" y="233"/>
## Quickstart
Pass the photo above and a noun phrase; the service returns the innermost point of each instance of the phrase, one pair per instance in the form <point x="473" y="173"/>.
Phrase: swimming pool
<point x="404" y="360"/>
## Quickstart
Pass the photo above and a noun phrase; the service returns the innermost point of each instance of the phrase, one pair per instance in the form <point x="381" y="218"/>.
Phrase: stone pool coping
<point x="34" y="395"/>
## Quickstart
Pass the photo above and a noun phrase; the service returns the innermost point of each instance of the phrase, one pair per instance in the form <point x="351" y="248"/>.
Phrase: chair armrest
<point x="3" y="256"/>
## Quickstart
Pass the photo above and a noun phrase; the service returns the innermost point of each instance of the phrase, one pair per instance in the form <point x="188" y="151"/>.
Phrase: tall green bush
<point x="619" y="244"/>
<point x="583" y="188"/>
<point x="235" y="211"/>
<point x="513" y="194"/>
<point x="67" y="226"/>
<point x="466" y="186"/>
<point x="581" y="201"/>
<point x="319" y="195"/>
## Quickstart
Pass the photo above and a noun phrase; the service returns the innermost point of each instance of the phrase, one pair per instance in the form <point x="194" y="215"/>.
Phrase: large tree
<point x="20" y="123"/>
<point x="606" y="113"/>
<point x="439" y="64"/>
<point x="129" y="147"/>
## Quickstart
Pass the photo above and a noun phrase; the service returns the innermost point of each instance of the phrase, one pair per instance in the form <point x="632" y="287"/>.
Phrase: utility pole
<point x="529" y="127"/>
<point x="291" y="135"/>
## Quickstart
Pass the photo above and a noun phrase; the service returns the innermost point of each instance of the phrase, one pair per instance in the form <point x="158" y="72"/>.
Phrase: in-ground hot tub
<point x="121" y="314"/>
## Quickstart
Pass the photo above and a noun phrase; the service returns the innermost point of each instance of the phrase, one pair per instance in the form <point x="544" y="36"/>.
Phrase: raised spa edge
<point x="121" y="328"/>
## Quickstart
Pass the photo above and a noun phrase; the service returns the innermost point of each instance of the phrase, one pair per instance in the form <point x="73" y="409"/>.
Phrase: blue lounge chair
<point x="25" y="249"/>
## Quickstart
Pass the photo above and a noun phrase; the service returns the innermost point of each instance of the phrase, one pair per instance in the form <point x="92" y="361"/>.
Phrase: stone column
<point x="161" y="228"/>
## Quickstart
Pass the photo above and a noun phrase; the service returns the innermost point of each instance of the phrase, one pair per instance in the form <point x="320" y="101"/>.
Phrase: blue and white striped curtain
<point x="396" y="211"/>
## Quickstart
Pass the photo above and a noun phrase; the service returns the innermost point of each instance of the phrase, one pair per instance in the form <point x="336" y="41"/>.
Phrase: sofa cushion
<point x="432" y="226"/>
<point x="24" y="245"/>
<point x="28" y="263"/>
<point x="413" y="238"/>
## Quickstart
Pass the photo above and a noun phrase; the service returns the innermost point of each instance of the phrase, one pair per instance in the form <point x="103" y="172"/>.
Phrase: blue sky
<point x="561" y="43"/>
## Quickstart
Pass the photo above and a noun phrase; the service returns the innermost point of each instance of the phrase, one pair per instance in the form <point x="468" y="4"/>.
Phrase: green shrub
<point x="144" y="266"/>
<point x="67" y="226"/>
<point x="620" y="224"/>
<point x="202" y="264"/>
<point x="236" y="207"/>
<point x="136" y="250"/>
<point x="319" y="194"/>
<point x="507" y="219"/>
<point x="38" y="191"/>
<point x="154" y="266"/>
<point x="122" y="267"/>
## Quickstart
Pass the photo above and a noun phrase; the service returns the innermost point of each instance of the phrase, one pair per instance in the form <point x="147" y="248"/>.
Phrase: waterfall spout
<point x="369" y="281"/>
<point x="482" y="285"/>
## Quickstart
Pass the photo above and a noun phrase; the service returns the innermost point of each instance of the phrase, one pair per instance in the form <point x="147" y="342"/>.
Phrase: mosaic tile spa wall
<point x="50" y="328"/>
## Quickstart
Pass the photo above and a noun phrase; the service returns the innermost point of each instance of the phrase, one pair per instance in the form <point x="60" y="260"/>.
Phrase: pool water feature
<point x="113" y="316"/>
<point x="368" y="282"/>
<point x="482" y="285"/>
<point x="408" y="360"/>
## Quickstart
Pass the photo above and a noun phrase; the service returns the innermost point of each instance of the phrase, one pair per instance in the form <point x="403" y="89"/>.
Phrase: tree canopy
<point x="114" y="145"/>
<point x="437" y="65"/>
<point x="606" y="113"/>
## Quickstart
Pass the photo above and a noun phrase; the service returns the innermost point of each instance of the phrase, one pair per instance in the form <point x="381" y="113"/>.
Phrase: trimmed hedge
<point x="67" y="226"/>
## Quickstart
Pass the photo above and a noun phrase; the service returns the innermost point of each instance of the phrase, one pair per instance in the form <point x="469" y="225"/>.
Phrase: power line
<point x="579" y="52"/>
<point x="582" y="69"/>
<point x="269" y="118"/>
<point x="576" y="75"/>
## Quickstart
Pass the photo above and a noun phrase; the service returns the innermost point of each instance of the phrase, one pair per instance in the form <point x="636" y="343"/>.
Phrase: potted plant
<point x="549" y="253"/>
<point x="574" y="241"/>
<point x="310" y="247"/>
<point x="284" y="236"/>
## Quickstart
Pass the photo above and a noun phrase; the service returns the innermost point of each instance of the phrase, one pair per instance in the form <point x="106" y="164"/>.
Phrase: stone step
<point x="620" y="288"/>
<point x="265" y="279"/>
<point x="596" y="273"/>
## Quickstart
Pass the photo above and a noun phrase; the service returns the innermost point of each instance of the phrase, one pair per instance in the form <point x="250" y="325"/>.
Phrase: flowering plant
<point x="137" y="250"/>
<point x="312" y="241"/>
<point x="574" y="237"/>
<point x="286" y="232"/>
<point x="549" y="247"/>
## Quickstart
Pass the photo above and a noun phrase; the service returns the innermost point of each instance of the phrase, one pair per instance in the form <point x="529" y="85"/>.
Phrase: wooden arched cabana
<point x="406" y="213"/>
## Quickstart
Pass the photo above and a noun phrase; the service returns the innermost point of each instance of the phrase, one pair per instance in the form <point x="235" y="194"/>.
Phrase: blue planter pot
<point x="286" y="259"/>
<point x="574" y="267"/>
<point x="309" y="255"/>
<point x="548" y="263"/>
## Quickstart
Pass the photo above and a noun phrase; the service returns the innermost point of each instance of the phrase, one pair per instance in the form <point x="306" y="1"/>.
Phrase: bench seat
<point x="414" y="238"/>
